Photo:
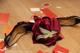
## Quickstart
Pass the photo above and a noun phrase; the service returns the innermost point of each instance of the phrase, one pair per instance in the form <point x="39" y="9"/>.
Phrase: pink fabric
<point x="49" y="24"/>
<point x="48" y="12"/>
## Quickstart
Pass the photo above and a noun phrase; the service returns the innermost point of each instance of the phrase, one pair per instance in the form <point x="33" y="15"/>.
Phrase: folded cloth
<point x="51" y="30"/>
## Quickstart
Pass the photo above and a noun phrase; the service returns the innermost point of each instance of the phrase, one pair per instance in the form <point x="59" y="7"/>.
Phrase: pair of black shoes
<point x="22" y="28"/>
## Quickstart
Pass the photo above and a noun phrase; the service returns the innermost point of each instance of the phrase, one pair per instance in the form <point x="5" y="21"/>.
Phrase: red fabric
<point x="60" y="49"/>
<point x="1" y="44"/>
<point x="49" y="24"/>
<point x="2" y="51"/>
<point x="4" y="18"/>
<point x="48" y="12"/>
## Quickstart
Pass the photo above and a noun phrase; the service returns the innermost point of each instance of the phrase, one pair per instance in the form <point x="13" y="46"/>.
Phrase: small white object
<point x="39" y="37"/>
<point x="35" y="9"/>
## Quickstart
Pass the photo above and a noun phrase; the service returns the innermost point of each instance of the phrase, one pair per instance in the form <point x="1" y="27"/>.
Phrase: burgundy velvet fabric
<point x="49" y="24"/>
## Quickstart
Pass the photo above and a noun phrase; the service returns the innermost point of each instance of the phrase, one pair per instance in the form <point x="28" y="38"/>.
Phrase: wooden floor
<point x="20" y="11"/>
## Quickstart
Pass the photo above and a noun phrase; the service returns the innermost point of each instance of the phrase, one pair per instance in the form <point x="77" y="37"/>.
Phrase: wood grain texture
<point x="20" y="11"/>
